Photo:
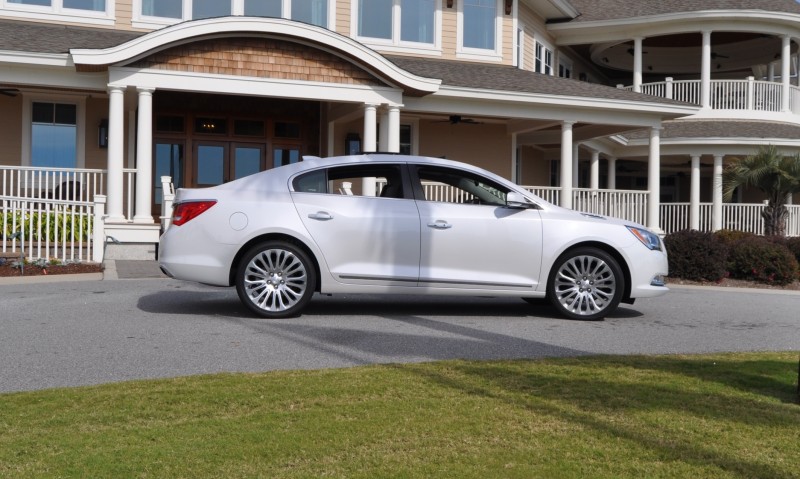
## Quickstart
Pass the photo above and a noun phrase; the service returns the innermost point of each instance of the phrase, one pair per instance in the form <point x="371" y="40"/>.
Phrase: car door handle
<point x="440" y="225"/>
<point x="320" y="215"/>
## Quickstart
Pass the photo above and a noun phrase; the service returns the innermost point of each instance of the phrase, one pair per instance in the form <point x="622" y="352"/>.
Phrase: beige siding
<point x="343" y="17"/>
<point x="449" y="32"/>
<point x="96" y="110"/>
<point x="124" y="14"/>
<point x="535" y="167"/>
<point x="10" y="130"/>
<point x="486" y="146"/>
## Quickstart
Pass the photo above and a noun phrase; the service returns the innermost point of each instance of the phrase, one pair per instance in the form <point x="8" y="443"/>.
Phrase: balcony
<point x="762" y="98"/>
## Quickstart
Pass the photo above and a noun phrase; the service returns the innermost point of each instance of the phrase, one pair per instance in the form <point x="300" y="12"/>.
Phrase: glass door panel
<point x="247" y="160"/>
<point x="285" y="155"/>
<point x="168" y="162"/>
<point x="210" y="159"/>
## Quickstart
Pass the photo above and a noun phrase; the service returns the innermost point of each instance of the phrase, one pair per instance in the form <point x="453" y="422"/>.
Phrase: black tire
<point x="586" y="283"/>
<point x="275" y="279"/>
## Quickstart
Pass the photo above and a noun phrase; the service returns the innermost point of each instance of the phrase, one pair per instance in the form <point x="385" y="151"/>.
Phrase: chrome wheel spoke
<point x="275" y="280"/>
<point x="585" y="285"/>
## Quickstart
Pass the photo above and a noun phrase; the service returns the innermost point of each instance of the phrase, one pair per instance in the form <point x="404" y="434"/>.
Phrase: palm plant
<point x="776" y="175"/>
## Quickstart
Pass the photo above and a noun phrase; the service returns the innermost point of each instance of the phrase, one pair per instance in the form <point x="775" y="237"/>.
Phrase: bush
<point x="793" y="244"/>
<point x="696" y="256"/>
<point x="762" y="260"/>
<point x="731" y="236"/>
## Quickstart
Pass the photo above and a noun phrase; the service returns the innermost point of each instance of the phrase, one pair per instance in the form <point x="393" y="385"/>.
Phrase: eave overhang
<point x="311" y="35"/>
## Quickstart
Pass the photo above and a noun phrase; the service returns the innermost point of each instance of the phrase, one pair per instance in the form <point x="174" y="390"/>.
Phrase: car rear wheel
<point x="586" y="283"/>
<point x="275" y="279"/>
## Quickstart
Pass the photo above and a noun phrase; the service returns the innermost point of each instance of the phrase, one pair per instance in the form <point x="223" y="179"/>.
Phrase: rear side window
<point x="354" y="180"/>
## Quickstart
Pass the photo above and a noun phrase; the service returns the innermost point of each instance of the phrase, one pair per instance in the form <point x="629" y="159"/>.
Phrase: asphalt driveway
<point x="89" y="332"/>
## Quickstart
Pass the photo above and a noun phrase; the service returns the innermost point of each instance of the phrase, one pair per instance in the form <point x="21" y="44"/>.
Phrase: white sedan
<point x="403" y="225"/>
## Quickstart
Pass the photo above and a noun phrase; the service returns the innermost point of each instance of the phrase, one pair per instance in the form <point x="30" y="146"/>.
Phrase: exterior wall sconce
<point x="509" y="5"/>
<point x="102" y="134"/>
<point x="352" y="144"/>
<point x="449" y="3"/>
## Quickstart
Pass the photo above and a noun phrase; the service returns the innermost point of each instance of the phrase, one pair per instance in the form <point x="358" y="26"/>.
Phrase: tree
<point x="776" y="175"/>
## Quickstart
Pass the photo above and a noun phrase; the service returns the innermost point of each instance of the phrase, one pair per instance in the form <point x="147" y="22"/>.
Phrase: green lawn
<point x="731" y="415"/>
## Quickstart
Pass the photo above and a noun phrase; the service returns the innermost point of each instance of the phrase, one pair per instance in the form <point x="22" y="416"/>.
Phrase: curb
<point x="54" y="278"/>
<point x="733" y="289"/>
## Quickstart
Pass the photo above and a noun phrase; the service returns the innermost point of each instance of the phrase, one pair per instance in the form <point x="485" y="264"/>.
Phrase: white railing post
<point x="167" y="197"/>
<point x="668" y="88"/>
<point x="751" y="88"/>
<point x="99" y="233"/>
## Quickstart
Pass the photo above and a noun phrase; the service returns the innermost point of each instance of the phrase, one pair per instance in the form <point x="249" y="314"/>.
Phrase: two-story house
<point x="599" y="105"/>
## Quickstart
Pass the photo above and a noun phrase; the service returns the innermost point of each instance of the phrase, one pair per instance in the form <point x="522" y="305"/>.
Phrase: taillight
<point x="184" y="212"/>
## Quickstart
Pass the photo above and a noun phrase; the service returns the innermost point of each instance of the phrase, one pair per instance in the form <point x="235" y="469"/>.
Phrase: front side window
<point x="151" y="13"/>
<point x="54" y="135"/>
<point x="479" y="28"/>
<point x="314" y="12"/>
<point x="456" y="186"/>
<point x="417" y="20"/>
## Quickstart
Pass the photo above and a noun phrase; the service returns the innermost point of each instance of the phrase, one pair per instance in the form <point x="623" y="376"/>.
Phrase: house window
<point x="308" y="11"/>
<point x="564" y="69"/>
<point x="543" y="59"/>
<point x="152" y="13"/>
<point x="210" y="8"/>
<point x="54" y="135"/>
<point x="403" y="23"/>
<point x="163" y="8"/>
<point x="79" y="11"/>
<point x="480" y="24"/>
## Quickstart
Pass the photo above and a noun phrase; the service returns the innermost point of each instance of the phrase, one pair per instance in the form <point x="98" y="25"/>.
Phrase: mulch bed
<point x="7" y="270"/>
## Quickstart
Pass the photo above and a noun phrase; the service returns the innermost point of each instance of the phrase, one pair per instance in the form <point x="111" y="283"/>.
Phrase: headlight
<point x="648" y="238"/>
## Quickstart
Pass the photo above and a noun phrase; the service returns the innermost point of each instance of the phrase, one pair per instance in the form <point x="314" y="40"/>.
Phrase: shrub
<point x="731" y="236"/>
<point x="696" y="256"/>
<point x="793" y="244"/>
<point x="762" y="260"/>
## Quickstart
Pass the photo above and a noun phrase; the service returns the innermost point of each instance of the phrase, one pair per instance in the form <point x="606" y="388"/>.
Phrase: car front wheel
<point x="586" y="283"/>
<point x="275" y="279"/>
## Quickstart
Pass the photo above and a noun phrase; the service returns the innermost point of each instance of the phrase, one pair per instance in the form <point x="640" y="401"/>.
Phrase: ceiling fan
<point x="631" y="51"/>
<point x="456" y="119"/>
<point x="715" y="55"/>
<point x="9" y="91"/>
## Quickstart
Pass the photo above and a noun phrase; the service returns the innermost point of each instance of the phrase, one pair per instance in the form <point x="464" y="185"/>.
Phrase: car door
<point x="364" y="220"/>
<point x="470" y="239"/>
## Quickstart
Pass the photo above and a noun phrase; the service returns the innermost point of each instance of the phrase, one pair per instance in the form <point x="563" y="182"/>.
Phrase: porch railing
<point x="749" y="94"/>
<point x="48" y="213"/>
<point x="735" y="216"/>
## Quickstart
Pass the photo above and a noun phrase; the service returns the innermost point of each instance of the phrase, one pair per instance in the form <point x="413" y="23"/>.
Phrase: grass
<point x="731" y="415"/>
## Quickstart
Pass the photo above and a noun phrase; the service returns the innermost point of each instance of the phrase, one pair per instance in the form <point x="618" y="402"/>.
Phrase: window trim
<point x="28" y="99"/>
<point x="546" y="48"/>
<point x="237" y="9"/>
<point x="480" y="53"/>
<point x="57" y="12"/>
<point x="395" y="44"/>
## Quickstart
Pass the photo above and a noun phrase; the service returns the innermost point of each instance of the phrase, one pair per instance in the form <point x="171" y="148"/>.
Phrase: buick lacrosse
<point x="395" y="224"/>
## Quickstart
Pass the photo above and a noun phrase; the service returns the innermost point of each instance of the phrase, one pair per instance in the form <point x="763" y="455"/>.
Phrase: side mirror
<point x="517" y="200"/>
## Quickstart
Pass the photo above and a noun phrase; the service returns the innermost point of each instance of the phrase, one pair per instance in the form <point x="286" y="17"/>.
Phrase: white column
<point x="566" y="164"/>
<point x="576" y="166"/>
<point x="368" y="184"/>
<point x="654" y="180"/>
<point x="144" y="157"/>
<point x="786" y="54"/>
<point x="612" y="173"/>
<point x="393" y="134"/>
<point x="383" y="129"/>
<point x="637" y="64"/>
<point x="116" y="152"/>
<point x="694" y="194"/>
<point x="716" y="208"/>
<point x="594" y="171"/>
<point x="370" y="120"/>
<point x="705" y="71"/>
